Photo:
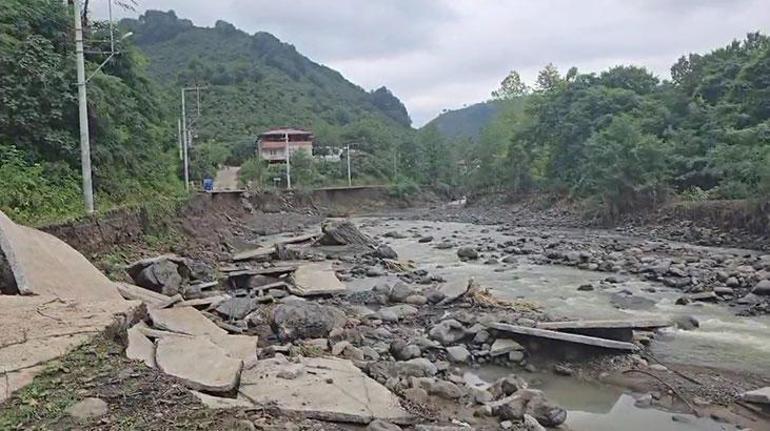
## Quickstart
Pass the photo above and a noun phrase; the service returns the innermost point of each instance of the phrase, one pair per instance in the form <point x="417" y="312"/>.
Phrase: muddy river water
<point x="723" y="339"/>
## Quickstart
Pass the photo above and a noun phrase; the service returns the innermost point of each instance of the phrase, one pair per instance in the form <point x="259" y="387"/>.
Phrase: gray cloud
<point x="437" y="54"/>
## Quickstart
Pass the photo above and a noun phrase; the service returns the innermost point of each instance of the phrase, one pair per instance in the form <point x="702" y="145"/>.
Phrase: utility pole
<point x="288" y="162"/>
<point x="186" y="133"/>
<point x="85" y="145"/>
<point x="185" y="140"/>
<point x="179" y="134"/>
<point x="350" y="179"/>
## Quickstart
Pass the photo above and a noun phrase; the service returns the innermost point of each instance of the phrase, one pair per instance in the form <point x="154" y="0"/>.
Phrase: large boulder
<point x="164" y="274"/>
<point x="344" y="233"/>
<point x="299" y="320"/>
<point x="386" y="252"/>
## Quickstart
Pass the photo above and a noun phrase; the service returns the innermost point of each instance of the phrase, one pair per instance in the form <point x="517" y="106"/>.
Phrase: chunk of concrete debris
<point x="140" y="348"/>
<point x="199" y="363"/>
<point x="87" y="409"/>
<point x="299" y="320"/>
<point x="330" y="389"/>
<point x="502" y="346"/>
<point x="151" y="298"/>
<point x="222" y="403"/>
<point x="565" y="337"/>
<point x="45" y="265"/>
<point x="184" y="320"/>
<point x="316" y="279"/>
<point x="757" y="396"/>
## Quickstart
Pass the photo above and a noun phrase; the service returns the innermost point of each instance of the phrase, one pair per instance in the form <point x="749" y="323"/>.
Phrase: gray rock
<point x="416" y="395"/>
<point x="387" y="315"/>
<point x="425" y="239"/>
<point x="425" y="366"/>
<point x="401" y="311"/>
<point x="401" y="291"/>
<point x="758" y="396"/>
<point x="436" y="296"/>
<point x="445" y="389"/>
<point x="305" y="320"/>
<point x="403" y="351"/>
<point x="502" y="346"/>
<point x="237" y="308"/>
<point x="161" y="276"/>
<point x="380" y="425"/>
<point x="531" y="424"/>
<point x="481" y="337"/>
<point x="417" y="300"/>
<point x="458" y="354"/>
<point x="467" y="253"/>
<point x="448" y="332"/>
<point x="386" y="252"/>
<point x="88" y="408"/>
<point x="762" y="288"/>
<point x="686" y="322"/>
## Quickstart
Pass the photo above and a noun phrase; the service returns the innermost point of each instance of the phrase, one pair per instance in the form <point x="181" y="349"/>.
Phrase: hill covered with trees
<point x="467" y="122"/>
<point x="256" y="82"/>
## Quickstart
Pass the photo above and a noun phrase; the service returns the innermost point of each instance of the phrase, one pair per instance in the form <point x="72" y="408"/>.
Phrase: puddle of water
<point x="743" y="343"/>
<point x="594" y="406"/>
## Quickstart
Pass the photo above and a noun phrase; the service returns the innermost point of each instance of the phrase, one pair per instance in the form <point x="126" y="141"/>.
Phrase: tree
<point x="548" y="78"/>
<point x="511" y="87"/>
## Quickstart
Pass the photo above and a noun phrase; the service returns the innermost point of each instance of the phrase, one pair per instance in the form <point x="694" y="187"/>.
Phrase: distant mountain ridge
<point x="257" y="81"/>
<point x="467" y="122"/>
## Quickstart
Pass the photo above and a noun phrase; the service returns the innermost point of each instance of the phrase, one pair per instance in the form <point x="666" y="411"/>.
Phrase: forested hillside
<point x="256" y="82"/>
<point x="627" y="139"/>
<point x="467" y="122"/>
<point x="132" y="139"/>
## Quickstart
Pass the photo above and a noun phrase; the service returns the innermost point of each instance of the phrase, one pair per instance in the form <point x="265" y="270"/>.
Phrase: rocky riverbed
<point x="410" y="321"/>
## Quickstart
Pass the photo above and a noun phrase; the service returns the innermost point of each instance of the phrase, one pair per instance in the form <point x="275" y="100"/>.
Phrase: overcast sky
<point x="439" y="54"/>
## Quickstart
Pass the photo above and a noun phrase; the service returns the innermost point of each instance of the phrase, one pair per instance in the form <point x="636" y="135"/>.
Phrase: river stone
<point x="762" y="288"/>
<point x="448" y="332"/>
<point x="425" y="367"/>
<point x="200" y="364"/>
<point x="502" y="346"/>
<point x="401" y="291"/>
<point x="401" y="311"/>
<point x="237" y="308"/>
<point x="380" y="425"/>
<point x="305" y="320"/>
<point x="686" y="322"/>
<point x="425" y="239"/>
<point x="88" y="408"/>
<point x="403" y="351"/>
<point x="458" y="354"/>
<point x="466" y="252"/>
<point x="386" y="252"/>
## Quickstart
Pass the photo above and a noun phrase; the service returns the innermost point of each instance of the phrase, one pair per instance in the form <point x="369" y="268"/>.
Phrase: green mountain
<point x="467" y="123"/>
<point x="256" y="82"/>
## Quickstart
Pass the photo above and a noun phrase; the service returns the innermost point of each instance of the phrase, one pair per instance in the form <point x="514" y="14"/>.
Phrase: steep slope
<point x="466" y="123"/>
<point x="257" y="82"/>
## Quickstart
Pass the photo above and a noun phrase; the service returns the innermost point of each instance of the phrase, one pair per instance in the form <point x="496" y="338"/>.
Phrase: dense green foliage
<point x="39" y="144"/>
<point x="467" y="122"/>
<point x="626" y="138"/>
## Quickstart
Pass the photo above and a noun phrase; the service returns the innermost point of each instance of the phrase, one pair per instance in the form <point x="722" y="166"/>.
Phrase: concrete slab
<point x="243" y="347"/>
<point x="222" y="403"/>
<point x="198" y="363"/>
<point x="328" y="389"/>
<point x="206" y="302"/>
<point x="758" y="396"/>
<point x="260" y="253"/>
<point x="140" y="348"/>
<point x="606" y="324"/>
<point x="150" y="298"/>
<point x="45" y="265"/>
<point x="316" y="279"/>
<point x="565" y="337"/>
<point x="184" y="320"/>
